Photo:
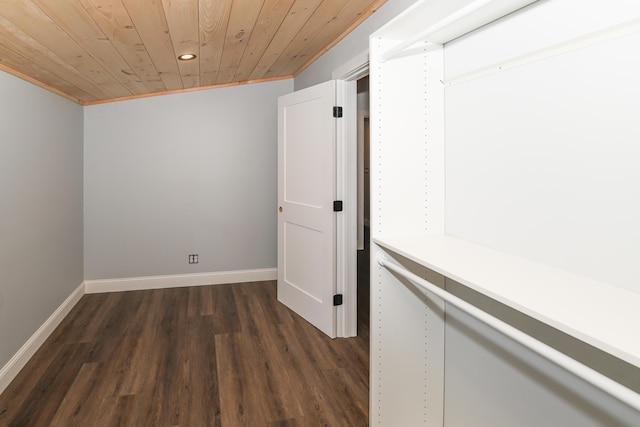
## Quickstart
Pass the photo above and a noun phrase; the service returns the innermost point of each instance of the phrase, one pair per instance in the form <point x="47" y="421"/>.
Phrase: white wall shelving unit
<point x="604" y="316"/>
<point x="431" y="364"/>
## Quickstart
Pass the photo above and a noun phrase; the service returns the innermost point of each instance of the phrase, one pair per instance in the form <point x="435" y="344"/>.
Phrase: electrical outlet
<point x="193" y="259"/>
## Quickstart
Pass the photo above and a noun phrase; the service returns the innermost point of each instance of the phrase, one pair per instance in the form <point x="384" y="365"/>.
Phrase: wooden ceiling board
<point x="321" y="17"/>
<point x="149" y="19"/>
<point x="214" y="18"/>
<point x="41" y="28"/>
<point x="345" y="20"/>
<point x="15" y="61"/>
<point x="76" y="22"/>
<point x="115" y="22"/>
<point x="183" y="22"/>
<point x="295" y="20"/>
<point x="94" y="51"/>
<point x="10" y="68"/>
<point x="272" y="15"/>
<point x="14" y="39"/>
<point x="244" y="15"/>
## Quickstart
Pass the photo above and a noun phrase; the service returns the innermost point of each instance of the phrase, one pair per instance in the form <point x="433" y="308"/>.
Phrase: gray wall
<point x="352" y="45"/>
<point x="40" y="208"/>
<point x="180" y="174"/>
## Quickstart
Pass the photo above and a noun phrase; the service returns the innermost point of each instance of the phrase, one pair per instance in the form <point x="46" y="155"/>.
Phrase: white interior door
<point x="306" y="191"/>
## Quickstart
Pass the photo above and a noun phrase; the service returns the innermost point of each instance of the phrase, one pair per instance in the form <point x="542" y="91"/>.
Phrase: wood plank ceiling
<point x="93" y="51"/>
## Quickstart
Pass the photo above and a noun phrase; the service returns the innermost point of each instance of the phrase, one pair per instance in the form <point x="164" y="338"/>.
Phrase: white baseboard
<point x="179" y="280"/>
<point x="20" y="359"/>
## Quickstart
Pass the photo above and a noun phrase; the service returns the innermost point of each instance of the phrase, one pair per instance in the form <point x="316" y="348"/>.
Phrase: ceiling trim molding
<point x="191" y="89"/>
<point x="38" y="83"/>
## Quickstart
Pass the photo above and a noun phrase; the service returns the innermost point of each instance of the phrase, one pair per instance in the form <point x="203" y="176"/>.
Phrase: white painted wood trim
<point x="179" y="280"/>
<point x="353" y="70"/>
<point x="347" y="316"/>
<point x="361" y="222"/>
<point x="347" y="191"/>
<point x="20" y="359"/>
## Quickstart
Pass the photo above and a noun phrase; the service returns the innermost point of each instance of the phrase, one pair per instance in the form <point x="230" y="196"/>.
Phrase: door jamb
<point x="347" y="190"/>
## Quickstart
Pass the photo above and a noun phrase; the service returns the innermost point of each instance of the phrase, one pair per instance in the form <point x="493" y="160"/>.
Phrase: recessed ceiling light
<point x="187" y="56"/>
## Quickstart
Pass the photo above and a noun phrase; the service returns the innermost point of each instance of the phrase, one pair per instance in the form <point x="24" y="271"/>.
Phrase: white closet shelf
<point x="604" y="316"/>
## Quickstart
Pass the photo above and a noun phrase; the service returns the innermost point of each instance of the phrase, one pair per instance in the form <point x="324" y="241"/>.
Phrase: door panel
<point x="303" y="183"/>
<point x="306" y="190"/>
<point x="304" y="245"/>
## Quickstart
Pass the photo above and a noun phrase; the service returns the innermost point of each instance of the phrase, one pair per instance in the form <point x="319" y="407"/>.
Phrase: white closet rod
<point x="589" y="375"/>
<point x="617" y="31"/>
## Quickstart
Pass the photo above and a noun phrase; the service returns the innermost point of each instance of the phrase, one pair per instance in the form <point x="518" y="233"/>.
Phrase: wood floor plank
<point x="200" y="396"/>
<point x="160" y="397"/>
<point x="248" y="323"/>
<point x="335" y="392"/>
<point x="68" y="331"/>
<point x="20" y="389"/>
<point x="116" y="411"/>
<point x="150" y="312"/>
<point x="193" y="305"/>
<point x="47" y="395"/>
<point x="225" y="311"/>
<point x="114" y="326"/>
<point x="294" y="422"/>
<point x="235" y="377"/>
<point x="265" y="293"/>
<point x="73" y="410"/>
<point x="224" y="355"/>
<point x="272" y="367"/>
<point x="125" y="361"/>
<point x="312" y="347"/>
<point x="203" y="298"/>
<point x="306" y="375"/>
<point x="353" y="353"/>
<point x="93" y="318"/>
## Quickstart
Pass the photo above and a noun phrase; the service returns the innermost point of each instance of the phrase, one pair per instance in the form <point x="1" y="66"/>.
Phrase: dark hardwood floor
<point x="224" y="355"/>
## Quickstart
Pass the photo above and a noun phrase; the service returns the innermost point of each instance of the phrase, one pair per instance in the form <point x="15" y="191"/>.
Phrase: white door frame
<point x="347" y="190"/>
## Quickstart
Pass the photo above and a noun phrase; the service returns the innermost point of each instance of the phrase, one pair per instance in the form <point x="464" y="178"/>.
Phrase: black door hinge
<point x="337" y="206"/>
<point x="337" y="112"/>
<point x="337" y="299"/>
